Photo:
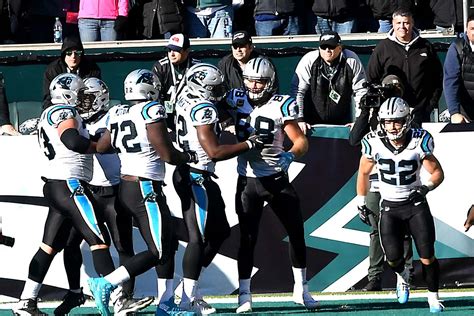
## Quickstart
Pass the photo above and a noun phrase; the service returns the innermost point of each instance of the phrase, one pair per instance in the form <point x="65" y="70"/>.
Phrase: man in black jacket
<point x="171" y="71"/>
<point x="413" y="59"/>
<point x="72" y="60"/>
<point x="161" y="18"/>
<point x="233" y="64"/>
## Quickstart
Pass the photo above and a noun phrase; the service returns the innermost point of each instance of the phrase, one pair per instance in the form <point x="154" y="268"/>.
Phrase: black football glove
<point x="255" y="141"/>
<point x="120" y="24"/>
<point x="364" y="213"/>
<point x="192" y="156"/>
<point x="418" y="194"/>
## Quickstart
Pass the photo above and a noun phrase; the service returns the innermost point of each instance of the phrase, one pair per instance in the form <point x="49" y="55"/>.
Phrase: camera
<point x="377" y="93"/>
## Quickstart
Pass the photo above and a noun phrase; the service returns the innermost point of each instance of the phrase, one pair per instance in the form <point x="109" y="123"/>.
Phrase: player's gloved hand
<point x="255" y="141"/>
<point x="418" y="194"/>
<point x="285" y="159"/>
<point x="364" y="213"/>
<point x="469" y="219"/>
<point x="192" y="156"/>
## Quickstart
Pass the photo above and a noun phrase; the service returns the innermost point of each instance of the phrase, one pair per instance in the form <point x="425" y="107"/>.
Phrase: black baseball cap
<point x="241" y="38"/>
<point x="330" y="38"/>
<point x="178" y="42"/>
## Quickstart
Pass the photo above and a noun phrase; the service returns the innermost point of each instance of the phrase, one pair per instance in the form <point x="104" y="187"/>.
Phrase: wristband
<point x="249" y="143"/>
<point x="360" y="200"/>
<point x="429" y="184"/>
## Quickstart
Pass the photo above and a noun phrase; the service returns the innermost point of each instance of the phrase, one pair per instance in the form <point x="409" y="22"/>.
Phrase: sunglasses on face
<point x="77" y="52"/>
<point x="324" y="47"/>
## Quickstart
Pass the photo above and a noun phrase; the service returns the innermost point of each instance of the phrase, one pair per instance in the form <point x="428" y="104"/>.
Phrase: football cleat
<point x="101" y="289"/>
<point x="124" y="305"/>
<point x="245" y="303"/>
<point x="70" y="300"/>
<point x="403" y="292"/>
<point x="170" y="308"/>
<point x="28" y="307"/>
<point x="198" y="306"/>
<point x="436" y="306"/>
<point x="304" y="298"/>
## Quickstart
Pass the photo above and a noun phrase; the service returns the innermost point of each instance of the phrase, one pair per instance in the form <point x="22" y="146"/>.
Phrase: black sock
<point x="127" y="286"/>
<point x="431" y="275"/>
<point x="103" y="263"/>
<point x="39" y="266"/>
<point x="72" y="264"/>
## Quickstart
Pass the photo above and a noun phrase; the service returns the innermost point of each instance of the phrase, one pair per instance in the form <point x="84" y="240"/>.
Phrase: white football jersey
<point x="191" y="113"/>
<point x="106" y="170"/>
<point x="267" y="119"/>
<point x="127" y="126"/>
<point x="63" y="163"/>
<point x="398" y="169"/>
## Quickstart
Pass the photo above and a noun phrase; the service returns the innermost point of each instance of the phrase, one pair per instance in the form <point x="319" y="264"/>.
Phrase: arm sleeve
<point x="300" y="81"/>
<point x="452" y="80"/>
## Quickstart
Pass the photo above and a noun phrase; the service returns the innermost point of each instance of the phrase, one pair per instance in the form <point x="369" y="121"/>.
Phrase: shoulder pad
<point x="287" y="104"/>
<point x="60" y="113"/>
<point x="153" y="111"/>
<point x="204" y="113"/>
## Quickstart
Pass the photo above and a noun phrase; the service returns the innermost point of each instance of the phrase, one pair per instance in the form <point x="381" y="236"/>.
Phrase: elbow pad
<point x="75" y="142"/>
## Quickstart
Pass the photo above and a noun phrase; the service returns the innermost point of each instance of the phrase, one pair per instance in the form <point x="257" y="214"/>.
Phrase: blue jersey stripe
<point x="285" y="108"/>
<point x="145" y="109"/>
<point x="153" y="214"/>
<point x="59" y="107"/>
<point x="366" y="147"/>
<point x="424" y="143"/>
<point x="201" y="203"/>
<point x="198" y="107"/>
<point x="85" y="207"/>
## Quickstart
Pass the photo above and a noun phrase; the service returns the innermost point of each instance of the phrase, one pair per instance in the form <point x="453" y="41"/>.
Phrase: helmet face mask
<point x="259" y="71"/>
<point x="64" y="89"/>
<point x="142" y="85"/>
<point x="94" y="99"/>
<point x="205" y="81"/>
<point x="394" y="118"/>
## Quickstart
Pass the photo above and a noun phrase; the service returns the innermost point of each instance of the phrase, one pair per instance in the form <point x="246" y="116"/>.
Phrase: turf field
<point x="358" y="304"/>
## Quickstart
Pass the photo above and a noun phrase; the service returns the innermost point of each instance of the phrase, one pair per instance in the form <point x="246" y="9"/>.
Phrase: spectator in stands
<point x="6" y="127"/>
<point x="39" y="17"/>
<point x="448" y="15"/>
<point x="337" y="16"/>
<point x="208" y="18"/>
<point x="410" y="57"/>
<point x="232" y="65"/>
<point x="72" y="60"/>
<point x="382" y="10"/>
<point x="459" y="76"/>
<point x="171" y="71"/>
<point x="277" y="17"/>
<point x="328" y="84"/>
<point x="162" y="18"/>
<point x="102" y="20"/>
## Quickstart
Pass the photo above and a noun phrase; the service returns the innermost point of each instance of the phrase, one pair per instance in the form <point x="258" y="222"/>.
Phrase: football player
<point x="203" y="208"/>
<point x="93" y="103"/>
<point x="399" y="152"/>
<point x="65" y="143"/>
<point x="139" y="135"/>
<point x="263" y="174"/>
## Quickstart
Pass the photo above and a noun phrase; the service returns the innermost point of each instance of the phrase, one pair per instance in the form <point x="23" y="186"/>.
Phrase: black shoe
<point x="125" y="305"/>
<point x="373" y="285"/>
<point x="28" y="307"/>
<point x="70" y="300"/>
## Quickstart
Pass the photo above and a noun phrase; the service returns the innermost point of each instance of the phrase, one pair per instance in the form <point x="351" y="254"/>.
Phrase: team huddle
<point x="106" y="168"/>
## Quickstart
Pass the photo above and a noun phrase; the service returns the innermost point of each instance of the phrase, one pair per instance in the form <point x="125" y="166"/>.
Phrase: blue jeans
<point x="285" y="26"/>
<point x="93" y="30"/>
<point x="324" y="25"/>
<point x="384" y="26"/>
<point x="209" y="26"/>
